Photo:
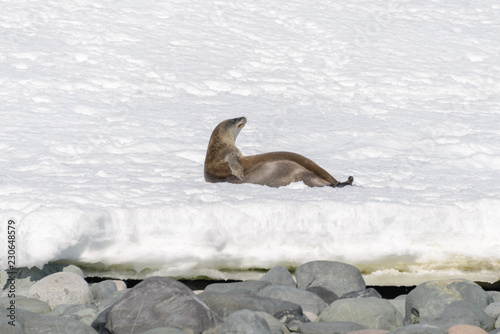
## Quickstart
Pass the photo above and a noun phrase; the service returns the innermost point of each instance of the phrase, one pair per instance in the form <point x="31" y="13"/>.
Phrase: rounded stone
<point x="466" y="329"/>
<point x="429" y="299"/>
<point x="245" y="321"/>
<point x="370" y="331"/>
<point x="164" y="330"/>
<point x="279" y="275"/>
<point x="340" y="278"/>
<point x="61" y="288"/>
<point x="418" y="329"/>
<point x="371" y="312"/>
<point x="493" y="310"/>
<point x="309" y="301"/>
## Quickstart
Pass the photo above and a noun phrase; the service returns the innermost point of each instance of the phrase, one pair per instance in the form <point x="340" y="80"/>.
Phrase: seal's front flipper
<point x="235" y="165"/>
<point x="349" y="182"/>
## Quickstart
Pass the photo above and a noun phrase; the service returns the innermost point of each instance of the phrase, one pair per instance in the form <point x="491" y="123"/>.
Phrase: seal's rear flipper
<point x="349" y="182"/>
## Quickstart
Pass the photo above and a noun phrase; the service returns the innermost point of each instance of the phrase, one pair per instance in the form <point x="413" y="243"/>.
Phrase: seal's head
<point x="222" y="160"/>
<point x="229" y="129"/>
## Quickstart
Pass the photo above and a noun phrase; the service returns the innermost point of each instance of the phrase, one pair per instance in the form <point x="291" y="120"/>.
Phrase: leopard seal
<point x="224" y="162"/>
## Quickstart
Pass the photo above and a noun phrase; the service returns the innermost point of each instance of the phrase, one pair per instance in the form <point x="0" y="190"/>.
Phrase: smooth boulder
<point x="340" y="278"/>
<point x="371" y="312"/>
<point x="429" y="299"/>
<point x="463" y="313"/>
<point x="160" y="302"/>
<point x="279" y="275"/>
<point x="418" y="329"/>
<point x="61" y="288"/>
<point x="34" y="323"/>
<point x="307" y="300"/>
<point x="245" y="321"/>
<point x="225" y="303"/>
<point x="337" y="327"/>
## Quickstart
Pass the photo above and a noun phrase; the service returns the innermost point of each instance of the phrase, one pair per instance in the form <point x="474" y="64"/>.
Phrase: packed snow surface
<point x="107" y="107"/>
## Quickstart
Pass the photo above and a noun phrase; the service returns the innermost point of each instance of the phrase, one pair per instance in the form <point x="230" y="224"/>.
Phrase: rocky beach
<point x="320" y="297"/>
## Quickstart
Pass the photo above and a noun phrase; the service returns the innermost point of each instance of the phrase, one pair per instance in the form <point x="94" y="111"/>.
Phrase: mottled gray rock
<point x="463" y="313"/>
<point x="110" y="300"/>
<point x="371" y="312"/>
<point x="274" y="324"/>
<point x="365" y="293"/>
<point x="26" y="277"/>
<point x="400" y="305"/>
<point x="85" y="313"/>
<point x="61" y="288"/>
<point x="245" y="321"/>
<point x="99" y="323"/>
<point x="495" y="331"/>
<point x="279" y="275"/>
<point x="338" y="277"/>
<point x="493" y="310"/>
<point x="103" y="290"/>
<point x="337" y="327"/>
<point x="497" y="323"/>
<point x="164" y="330"/>
<point x="495" y="296"/>
<point x="252" y="287"/>
<point x="429" y="299"/>
<point x="160" y="302"/>
<point x="33" y="323"/>
<point x="225" y="303"/>
<point x="288" y="316"/>
<point x="11" y="323"/>
<point x="307" y="300"/>
<point x="418" y="329"/>
<point x="28" y="304"/>
<point x="327" y="295"/>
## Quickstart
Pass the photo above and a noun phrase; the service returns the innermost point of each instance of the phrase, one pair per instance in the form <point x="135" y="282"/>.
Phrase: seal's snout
<point x="242" y="122"/>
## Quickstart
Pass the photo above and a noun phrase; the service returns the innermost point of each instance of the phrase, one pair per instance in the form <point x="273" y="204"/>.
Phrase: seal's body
<point x="225" y="163"/>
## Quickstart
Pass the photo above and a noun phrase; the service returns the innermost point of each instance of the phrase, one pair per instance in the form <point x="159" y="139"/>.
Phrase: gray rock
<point x="28" y="304"/>
<point x="99" y="323"/>
<point x="400" y="305"/>
<point x="466" y="313"/>
<point x="497" y="323"/>
<point x="33" y="323"/>
<point x="26" y="277"/>
<point x="418" y="329"/>
<point x="252" y="287"/>
<point x="446" y="323"/>
<point x="164" y="330"/>
<point x="85" y="313"/>
<point x="429" y="299"/>
<point x="496" y="331"/>
<point x="337" y="327"/>
<point x="225" y="303"/>
<point x="495" y="296"/>
<point x="365" y="293"/>
<point x="307" y="300"/>
<point x="371" y="312"/>
<point x="493" y="310"/>
<point x="110" y="300"/>
<point x="327" y="295"/>
<point x="279" y="275"/>
<point x="11" y="323"/>
<point x="288" y="316"/>
<point x="245" y="321"/>
<point x="338" y="277"/>
<point x="103" y="290"/>
<point x="274" y="324"/>
<point x="160" y="302"/>
<point x="61" y="288"/>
